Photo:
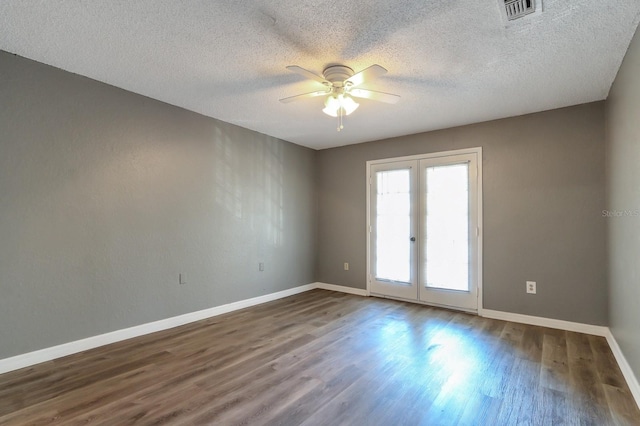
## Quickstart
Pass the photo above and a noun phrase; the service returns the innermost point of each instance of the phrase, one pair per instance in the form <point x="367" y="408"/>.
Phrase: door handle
<point x="413" y="239"/>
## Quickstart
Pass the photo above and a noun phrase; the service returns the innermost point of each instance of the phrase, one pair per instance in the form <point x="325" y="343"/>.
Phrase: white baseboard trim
<point x="627" y="372"/>
<point x="48" y="354"/>
<point x="342" y="289"/>
<point x="595" y="330"/>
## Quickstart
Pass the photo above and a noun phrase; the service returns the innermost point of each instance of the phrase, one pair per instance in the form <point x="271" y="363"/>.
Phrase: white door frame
<point x="478" y="152"/>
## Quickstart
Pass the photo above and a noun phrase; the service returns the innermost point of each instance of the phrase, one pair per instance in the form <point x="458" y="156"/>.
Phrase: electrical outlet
<point x="531" y="287"/>
<point x="182" y="279"/>
<point x="346" y="266"/>
<point x="261" y="266"/>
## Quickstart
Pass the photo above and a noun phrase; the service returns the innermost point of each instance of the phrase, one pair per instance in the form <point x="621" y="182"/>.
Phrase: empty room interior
<point x="320" y="213"/>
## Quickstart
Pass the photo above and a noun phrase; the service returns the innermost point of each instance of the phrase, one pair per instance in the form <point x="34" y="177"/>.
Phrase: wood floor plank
<point x="531" y="344"/>
<point x="552" y="408"/>
<point x="323" y="357"/>
<point x="480" y="410"/>
<point x="621" y="406"/>
<point x="554" y="372"/>
<point x="605" y="363"/>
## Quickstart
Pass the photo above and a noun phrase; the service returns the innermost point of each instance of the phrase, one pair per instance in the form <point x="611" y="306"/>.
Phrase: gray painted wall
<point x="623" y="185"/>
<point x="544" y="191"/>
<point x="106" y="196"/>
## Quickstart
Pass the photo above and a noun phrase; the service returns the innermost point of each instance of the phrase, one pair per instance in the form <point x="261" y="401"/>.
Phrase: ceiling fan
<point x="341" y="86"/>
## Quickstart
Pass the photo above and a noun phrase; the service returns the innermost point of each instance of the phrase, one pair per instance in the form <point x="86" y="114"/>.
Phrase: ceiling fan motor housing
<point x="337" y="74"/>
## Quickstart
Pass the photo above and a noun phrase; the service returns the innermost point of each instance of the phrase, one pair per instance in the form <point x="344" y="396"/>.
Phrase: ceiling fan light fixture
<point x="330" y="112"/>
<point x="348" y="104"/>
<point x="332" y="105"/>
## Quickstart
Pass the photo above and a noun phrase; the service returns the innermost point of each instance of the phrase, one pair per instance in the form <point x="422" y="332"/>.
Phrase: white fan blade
<point x="367" y="74"/>
<point x="308" y="74"/>
<point x="304" y="96"/>
<point x="374" y="95"/>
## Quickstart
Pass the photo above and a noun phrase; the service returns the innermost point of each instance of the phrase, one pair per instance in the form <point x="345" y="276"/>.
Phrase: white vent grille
<point x="518" y="8"/>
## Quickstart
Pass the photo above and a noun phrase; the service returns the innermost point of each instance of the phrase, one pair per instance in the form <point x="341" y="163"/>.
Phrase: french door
<point x="424" y="228"/>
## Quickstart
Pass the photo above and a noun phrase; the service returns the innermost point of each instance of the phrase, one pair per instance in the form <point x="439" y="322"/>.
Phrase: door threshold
<point x="421" y="302"/>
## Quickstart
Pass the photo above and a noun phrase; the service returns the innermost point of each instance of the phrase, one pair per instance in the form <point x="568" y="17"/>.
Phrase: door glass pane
<point x="393" y="225"/>
<point x="447" y="227"/>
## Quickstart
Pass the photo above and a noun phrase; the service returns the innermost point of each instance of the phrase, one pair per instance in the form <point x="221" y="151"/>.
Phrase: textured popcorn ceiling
<point x="453" y="62"/>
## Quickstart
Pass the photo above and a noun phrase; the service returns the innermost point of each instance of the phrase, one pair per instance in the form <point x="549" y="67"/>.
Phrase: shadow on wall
<point x="249" y="184"/>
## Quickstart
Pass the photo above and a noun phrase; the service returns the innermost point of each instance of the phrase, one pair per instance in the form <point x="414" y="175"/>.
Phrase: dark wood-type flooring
<point x="325" y="358"/>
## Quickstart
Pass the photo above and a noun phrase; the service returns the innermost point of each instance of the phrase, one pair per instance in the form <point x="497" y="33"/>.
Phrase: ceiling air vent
<point x="518" y="8"/>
